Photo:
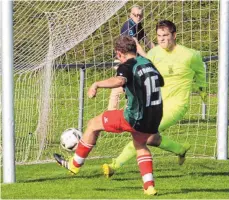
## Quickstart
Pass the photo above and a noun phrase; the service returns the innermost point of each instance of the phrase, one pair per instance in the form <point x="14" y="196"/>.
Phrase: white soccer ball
<point x="70" y="138"/>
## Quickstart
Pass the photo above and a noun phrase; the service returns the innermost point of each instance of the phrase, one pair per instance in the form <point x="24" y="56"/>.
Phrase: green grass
<point x="197" y="179"/>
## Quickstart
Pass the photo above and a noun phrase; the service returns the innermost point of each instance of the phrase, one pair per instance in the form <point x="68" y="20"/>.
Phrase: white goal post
<point x="7" y="111"/>
<point x="61" y="47"/>
<point x="7" y="92"/>
<point x="222" y="128"/>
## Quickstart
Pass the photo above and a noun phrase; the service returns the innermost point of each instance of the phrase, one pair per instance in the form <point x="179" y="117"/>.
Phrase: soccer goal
<point x="62" y="47"/>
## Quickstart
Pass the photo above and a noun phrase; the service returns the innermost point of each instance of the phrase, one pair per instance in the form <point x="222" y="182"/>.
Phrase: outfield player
<point x="132" y="27"/>
<point x="179" y="66"/>
<point x="141" y="82"/>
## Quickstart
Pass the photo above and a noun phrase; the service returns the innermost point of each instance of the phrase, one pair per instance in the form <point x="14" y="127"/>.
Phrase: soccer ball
<point x="70" y="138"/>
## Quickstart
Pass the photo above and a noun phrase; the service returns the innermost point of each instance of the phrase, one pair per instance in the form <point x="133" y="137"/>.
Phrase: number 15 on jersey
<point x="151" y="90"/>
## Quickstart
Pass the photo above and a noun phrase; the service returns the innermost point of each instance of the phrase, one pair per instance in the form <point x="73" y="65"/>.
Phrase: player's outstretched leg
<point x="181" y="158"/>
<point x="66" y="164"/>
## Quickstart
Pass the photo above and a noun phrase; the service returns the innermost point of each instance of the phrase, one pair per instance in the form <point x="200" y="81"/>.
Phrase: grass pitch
<point x="198" y="178"/>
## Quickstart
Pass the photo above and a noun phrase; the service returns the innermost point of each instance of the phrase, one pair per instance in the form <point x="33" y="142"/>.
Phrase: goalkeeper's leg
<point x="172" y="115"/>
<point x="171" y="146"/>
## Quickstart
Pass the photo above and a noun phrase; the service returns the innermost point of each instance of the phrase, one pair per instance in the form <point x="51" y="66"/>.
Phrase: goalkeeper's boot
<point x="181" y="158"/>
<point x="66" y="164"/>
<point x="109" y="169"/>
<point x="150" y="191"/>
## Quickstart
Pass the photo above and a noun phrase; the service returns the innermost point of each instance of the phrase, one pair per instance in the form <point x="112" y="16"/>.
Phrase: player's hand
<point x="203" y="94"/>
<point x="92" y="91"/>
<point x="136" y="40"/>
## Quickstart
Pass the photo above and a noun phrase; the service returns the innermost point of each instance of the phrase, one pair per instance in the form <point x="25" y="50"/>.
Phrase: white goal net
<point x="57" y="44"/>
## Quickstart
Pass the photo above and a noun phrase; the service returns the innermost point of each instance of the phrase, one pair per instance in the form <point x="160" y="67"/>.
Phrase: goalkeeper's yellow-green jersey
<point x="179" y="68"/>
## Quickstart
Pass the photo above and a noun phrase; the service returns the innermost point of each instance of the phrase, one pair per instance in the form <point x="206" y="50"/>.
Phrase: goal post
<point x="7" y="109"/>
<point x="222" y="127"/>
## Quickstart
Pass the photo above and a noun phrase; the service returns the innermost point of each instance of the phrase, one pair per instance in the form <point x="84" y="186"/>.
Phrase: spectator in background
<point x="133" y="27"/>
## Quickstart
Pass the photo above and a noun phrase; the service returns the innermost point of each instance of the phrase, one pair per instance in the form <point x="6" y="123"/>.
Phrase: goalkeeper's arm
<point x="200" y="75"/>
<point x="203" y="94"/>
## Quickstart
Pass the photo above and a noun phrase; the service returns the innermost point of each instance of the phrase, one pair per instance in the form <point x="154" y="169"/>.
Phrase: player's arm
<point x="139" y="48"/>
<point x="200" y="75"/>
<point x="112" y="82"/>
<point x="142" y="36"/>
<point x="148" y="43"/>
<point x="198" y="66"/>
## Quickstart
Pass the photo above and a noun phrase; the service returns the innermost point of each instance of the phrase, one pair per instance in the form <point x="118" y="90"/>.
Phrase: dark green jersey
<point x="142" y="88"/>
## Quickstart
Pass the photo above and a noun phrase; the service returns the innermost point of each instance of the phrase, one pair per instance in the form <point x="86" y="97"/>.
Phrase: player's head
<point x="136" y="13"/>
<point x="166" y="34"/>
<point x="125" y="48"/>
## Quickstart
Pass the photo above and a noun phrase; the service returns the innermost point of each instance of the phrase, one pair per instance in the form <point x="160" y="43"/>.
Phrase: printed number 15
<point x="150" y="84"/>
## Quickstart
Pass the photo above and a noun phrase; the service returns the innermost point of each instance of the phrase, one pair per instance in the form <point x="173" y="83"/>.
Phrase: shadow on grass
<point x="211" y="174"/>
<point x="60" y="178"/>
<point x="203" y="190"/>
<point x="190" y="190"/>
<point x="118" y="188"/>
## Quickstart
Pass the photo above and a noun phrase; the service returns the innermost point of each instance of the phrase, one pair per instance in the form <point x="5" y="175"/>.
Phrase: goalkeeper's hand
<point x="203" y="94"/>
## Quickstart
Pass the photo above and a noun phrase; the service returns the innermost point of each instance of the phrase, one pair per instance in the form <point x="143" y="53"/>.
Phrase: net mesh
<point x="53" y="39"/>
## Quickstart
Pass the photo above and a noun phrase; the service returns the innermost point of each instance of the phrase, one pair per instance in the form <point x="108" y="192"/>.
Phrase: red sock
<point x="145" y="164"/>
<point x="81" y="153"/>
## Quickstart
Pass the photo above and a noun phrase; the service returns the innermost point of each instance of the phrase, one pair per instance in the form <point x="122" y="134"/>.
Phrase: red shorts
<point x="114" y="121"/>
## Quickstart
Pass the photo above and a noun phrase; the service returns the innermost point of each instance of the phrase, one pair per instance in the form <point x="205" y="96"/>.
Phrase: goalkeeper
<point x="179" y="66"/>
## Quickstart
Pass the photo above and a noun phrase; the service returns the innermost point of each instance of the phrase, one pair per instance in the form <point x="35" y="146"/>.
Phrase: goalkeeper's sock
<point x="171" y="146"/>
<point x="81" y="153"/>
<point x="127" y="153"/>
<point x="145" y="164"/>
